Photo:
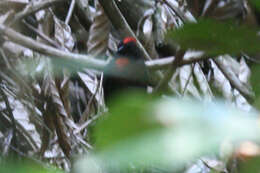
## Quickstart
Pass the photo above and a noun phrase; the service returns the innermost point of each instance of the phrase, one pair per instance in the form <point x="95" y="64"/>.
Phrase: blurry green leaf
<point x="167" y="133"/>
<point x="26" y="167"/>
<point x="255" y="83"/>
<point x="128" y="116"/>
<point x="38" y="65"/>
<point x="250" y="165"/>
<point x="256" y="3"/>
<point x="216" y="38"/>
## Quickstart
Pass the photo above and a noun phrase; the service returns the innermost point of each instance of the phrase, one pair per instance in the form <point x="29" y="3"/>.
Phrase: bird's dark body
<point x="125" y="71"/>
<point x="132" y="76"/>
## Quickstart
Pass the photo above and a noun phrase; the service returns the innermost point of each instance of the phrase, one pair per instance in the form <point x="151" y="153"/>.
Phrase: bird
<point x="126" y="71"/>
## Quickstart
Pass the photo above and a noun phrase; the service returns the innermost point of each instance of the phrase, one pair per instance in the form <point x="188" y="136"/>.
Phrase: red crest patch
<point x="129" y="39"/>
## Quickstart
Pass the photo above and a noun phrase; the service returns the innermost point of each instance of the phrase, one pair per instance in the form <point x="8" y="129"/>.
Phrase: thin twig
<point x="234" y="81"/>
<point x="188" y="81"/>
<point x="42" y="35"/>
<point x="166" y="62"/>
<point x="33" y="8"/>
<point x="8" y="65"/>
<point x="11" y="115"/>
<point x="7" y="142"/>
<point x="164" y="81"/>
<point x="210" y="8"/>
<point x="22" y="131"/>
<point x="87" y="123"/>
<point x="84" y="60"/>
<point x="72" y="6"/>
<point x="85" y="113"/>
<point x="176" y="11"/>
<point x="84" y="14"/>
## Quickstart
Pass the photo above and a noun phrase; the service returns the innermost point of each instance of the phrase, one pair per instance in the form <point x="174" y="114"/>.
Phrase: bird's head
<point x="128" y="47"/>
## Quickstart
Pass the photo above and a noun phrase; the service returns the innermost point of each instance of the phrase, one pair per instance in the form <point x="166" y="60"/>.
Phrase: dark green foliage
<point x="255" y="81"/>
<point x="256" y="4"/>
<point x="129" y="116"/>
<point x="216" y="38"/>
<point x="25" y="166"/>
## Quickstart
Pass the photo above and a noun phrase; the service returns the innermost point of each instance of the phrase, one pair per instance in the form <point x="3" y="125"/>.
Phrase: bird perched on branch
<point x="126" y="70"/>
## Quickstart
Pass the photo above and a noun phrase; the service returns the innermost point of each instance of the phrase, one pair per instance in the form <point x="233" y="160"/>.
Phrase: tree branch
<point x="164" y="63"/>
<point x="167" y="77"/>
<point x="42" y="35"/>
<point x="83" y="60"/>
<point x="33" y="8"/>
<point x="234" y="81"/>
<point x="71" y="9"/>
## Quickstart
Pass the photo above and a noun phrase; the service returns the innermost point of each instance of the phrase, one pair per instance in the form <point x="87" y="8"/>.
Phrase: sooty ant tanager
<point x="126" y="70"/>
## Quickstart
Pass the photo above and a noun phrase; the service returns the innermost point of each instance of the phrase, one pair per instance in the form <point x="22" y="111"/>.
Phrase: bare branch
<point x="86" y="112"/>
<point x="234" y="81"/>
<point x="85" y="60"/>
<point x="42" y="35"/>
<point x="164" y="63"/>
<point x="88" y="62"/>
<point x="164" y="81"/>
<point x="33" y="8"/>
<point x="72" y="6"/>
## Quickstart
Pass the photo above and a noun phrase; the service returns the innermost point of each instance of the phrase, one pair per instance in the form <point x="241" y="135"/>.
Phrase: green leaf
<point x="26" y="166"/>
<point x="167" y="133"/>
<point x="250" y="165"/>
<point x="256" y="3"/>
<point x="128" y="116"/>
<point x="216" y="38"/>
<point x="255" y="83"/>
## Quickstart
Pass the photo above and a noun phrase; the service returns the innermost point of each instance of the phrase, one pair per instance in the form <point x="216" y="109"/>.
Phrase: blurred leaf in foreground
<point x="255" y="81"/>
<point x="167" y="133"/>
<point x="256" y="3"/>
<point x="128" y="117"/>
<point x="25" y="166"/>
<point x="251" y="165"/>
<point x="216" y="38"/>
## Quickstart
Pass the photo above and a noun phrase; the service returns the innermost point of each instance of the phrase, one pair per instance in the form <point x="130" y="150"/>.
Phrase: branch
<point x="176" y="10"/>
<point x="234" y="81"/>
<point x="42" y="35"/>
<point x="11" y="115"/>
<point x="33" y="8"/>
<point x="167" y="77"/>
<point x="83" y="13"/>
<point x="164" y="63"/>
<point x="83" y="60"/>
<point x="71" y="9"/>
<point x="86" y="61"/>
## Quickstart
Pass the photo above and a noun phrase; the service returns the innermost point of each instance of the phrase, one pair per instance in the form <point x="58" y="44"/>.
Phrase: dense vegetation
<point x="201" y="113"/>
